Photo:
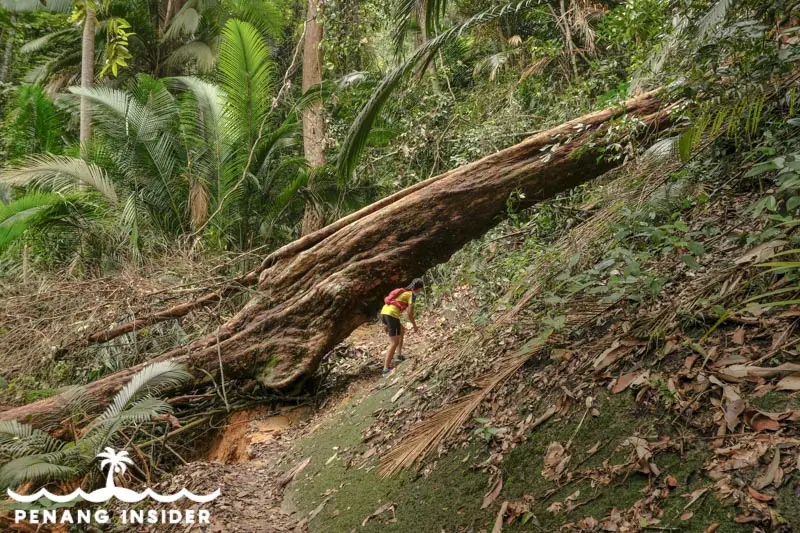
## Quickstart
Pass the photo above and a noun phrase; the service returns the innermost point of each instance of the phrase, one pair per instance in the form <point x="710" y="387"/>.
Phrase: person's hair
<point x="416" y="284"/>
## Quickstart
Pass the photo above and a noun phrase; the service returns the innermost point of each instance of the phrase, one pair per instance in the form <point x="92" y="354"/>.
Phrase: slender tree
<point x="87" y="71"/>
<point x="5" y="68"/>
<point x="313" y="119"/>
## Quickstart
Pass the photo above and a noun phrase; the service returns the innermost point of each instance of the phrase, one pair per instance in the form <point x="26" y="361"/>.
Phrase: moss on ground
<point x="776" y="401"/>
<point x="450" y="496"/>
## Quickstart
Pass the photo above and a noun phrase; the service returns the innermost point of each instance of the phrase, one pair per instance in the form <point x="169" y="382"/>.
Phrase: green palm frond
<point x="184" y="23"/>
<point x="265" y="15"/>
<point x="354" y="142"/>
<point x="22" y="213"/>
<point x="37" y="469"/>
<point x="199" y="52"/>
<point x="713" y="17"/>
<point x="150" y="380"/>
<point x="246" y="77"/>
<point x="404" y="10"/>
<point x="61" y="174"/>
<point x="67" y="34"/>
<point x="401" y="20"/>
<point x="100" y="433"/>
<point x="17" y="440"/>
<point x="18" y="6"/>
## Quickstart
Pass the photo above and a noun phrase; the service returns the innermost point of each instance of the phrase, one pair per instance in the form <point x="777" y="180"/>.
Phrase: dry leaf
<point x="712" y="528"/>
<point x="398" y="394"/>
<point x="686" y="515"/>
<point x="758" y="496"/>
<point x="790" y="383"/>
<point x="738" y="335"/>
<point x="555" y="461"/>
<point x="672" y="482"/>
<point x="737" y="372"/>
<point x="769" y="476"/>
<point x="379" y="511"/>
<point x="292" y="474"/>
<point x="555" y="507"/>
<point x="624" y="381"/>
<point x="491" y="496"/>
<point x="762" y="422"/>
<point x="734" y="406"/>
<point x="498" y="522"/>
<point x="694" y="496"/>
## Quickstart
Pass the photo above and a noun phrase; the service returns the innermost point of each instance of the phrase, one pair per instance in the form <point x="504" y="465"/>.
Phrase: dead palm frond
<point x="428" y="434"/>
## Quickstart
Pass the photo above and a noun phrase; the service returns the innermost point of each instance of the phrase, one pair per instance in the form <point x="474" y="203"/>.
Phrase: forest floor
<point x="622" y="465"/>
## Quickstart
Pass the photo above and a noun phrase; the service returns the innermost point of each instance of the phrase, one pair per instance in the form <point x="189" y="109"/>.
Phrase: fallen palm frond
<point x="428" y="434"/>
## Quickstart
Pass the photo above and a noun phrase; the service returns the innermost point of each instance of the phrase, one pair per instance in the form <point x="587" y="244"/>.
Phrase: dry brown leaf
<point x="728" y="360"/>
<point x="712" y="528"/>
<point x="734" y="406"/>
<point x="759" y="253"/>
<point x="672" y="482"/>
<point x="641" y="446"/>
<point x="694" y="496"/>
<point x="687" y="515"/>
<point x="498" y="522"/>
<point x="379" y="511"/>
<point x="555" y="507"/>
<point x="769" y="476"/>
<point x="555" y="461"/>
<point x="292" y="474"/>
<point x="761" y="422"/>
<point x="491" y="496"/>
<point x="759" y="496"/>
<point x="624" y="381"/>
<point x="738" y="335"/>
<point x="790" y="382"/>
<point x="737" y="372"/>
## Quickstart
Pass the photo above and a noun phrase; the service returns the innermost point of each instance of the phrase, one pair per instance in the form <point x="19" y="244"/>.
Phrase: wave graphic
<point x="107" y="493"/>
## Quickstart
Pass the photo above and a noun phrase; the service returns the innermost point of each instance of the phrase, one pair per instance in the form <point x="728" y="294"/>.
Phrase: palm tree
<point x="181" y="155"/>
<point x="117" y="463"/>
<point x="32" y="455"/>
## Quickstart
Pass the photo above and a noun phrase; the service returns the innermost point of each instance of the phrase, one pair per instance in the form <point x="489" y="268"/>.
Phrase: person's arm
<point x="411" y="316"/>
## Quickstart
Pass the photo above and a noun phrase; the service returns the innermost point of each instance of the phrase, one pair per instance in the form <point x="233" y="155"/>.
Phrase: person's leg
<point x="393" y="342"/>
<point x="400" y="343"/>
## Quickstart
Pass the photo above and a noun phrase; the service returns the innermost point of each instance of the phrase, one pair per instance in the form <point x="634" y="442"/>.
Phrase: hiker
<point x="398" y="301"/>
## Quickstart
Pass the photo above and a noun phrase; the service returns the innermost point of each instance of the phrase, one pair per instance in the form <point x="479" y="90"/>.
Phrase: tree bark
<point x="5" y="69"/>
<point x="87" y="73"/>
<point x="315" y="291"/>
<point x="313" y="118"/>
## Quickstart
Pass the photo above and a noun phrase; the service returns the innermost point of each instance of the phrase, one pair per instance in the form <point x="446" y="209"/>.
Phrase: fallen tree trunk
<point x="315" y="291"/>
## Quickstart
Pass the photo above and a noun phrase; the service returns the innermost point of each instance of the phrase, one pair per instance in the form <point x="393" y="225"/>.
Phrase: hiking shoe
<point x="400" y="358"/>
<point x="387" y="371"/>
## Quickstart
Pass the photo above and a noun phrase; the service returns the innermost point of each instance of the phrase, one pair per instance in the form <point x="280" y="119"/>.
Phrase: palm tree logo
<point x="116" y="461"/>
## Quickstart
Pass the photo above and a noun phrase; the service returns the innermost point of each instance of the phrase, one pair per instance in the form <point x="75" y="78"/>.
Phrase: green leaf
<point x="690" y="261"/>
<point x="762" y="168"/>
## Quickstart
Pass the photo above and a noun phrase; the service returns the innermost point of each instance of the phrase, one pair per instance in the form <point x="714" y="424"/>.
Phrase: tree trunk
<point x="5" y="68"/>
<point x="87" y="74"/>
<point x="313" y="119"/>
<point x="315" y="291"/>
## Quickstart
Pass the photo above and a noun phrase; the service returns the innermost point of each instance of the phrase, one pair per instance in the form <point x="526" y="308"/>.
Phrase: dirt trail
<point x="252" y="460"/>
